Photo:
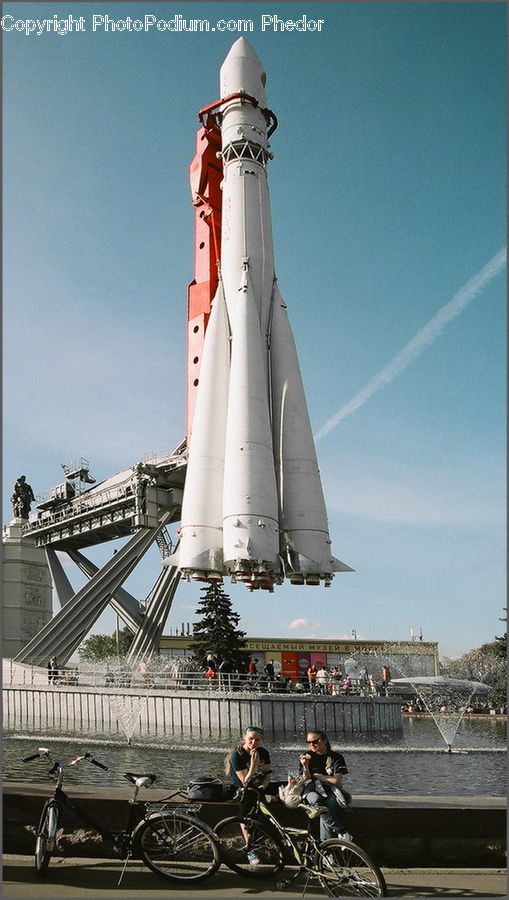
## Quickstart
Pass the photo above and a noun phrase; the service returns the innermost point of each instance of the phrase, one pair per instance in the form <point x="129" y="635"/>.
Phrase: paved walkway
<point x="74" y="877"/>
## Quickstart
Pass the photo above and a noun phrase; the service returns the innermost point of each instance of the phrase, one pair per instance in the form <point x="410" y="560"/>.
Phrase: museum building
<point x="404" y="658"/>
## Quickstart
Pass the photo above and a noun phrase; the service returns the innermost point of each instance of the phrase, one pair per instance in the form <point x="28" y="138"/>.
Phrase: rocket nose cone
<point x="243" y="71"/>
<point x="241" y="47"/>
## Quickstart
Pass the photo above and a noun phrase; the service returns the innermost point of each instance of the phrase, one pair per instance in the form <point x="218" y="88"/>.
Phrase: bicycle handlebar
<point x="44" y="752"/>
<point x="95" y="762"/>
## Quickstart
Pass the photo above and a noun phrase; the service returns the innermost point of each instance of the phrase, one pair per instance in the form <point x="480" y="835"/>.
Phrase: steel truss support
<point x="61" y="583"/>
<point x="62" y="635"/>
<point x="127" y="607"/>
<point x="148" y="636"/>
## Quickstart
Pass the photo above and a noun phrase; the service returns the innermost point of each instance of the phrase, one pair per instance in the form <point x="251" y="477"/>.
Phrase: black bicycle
<point x="257" y="845"/>
<point x="170" y="840"/>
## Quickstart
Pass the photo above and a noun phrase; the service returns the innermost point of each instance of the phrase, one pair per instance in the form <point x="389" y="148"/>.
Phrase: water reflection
<point x="414" y="763"/>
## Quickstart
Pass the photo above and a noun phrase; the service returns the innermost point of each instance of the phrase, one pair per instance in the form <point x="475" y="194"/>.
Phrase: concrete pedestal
<point x="27" y="589"/>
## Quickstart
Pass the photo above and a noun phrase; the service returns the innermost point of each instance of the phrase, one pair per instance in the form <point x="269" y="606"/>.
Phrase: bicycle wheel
<point x="179" y="847"/>
<point x="254" y="852"/>
<point x="46" y="837"/>
<point x="347" y="871"/>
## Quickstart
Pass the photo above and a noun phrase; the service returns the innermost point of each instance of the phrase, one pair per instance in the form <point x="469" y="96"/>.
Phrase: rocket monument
<point x="245" y="482"/>
<point x="253" y="505"/>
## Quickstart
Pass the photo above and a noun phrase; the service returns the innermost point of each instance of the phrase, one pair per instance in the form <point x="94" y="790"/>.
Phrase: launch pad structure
<point x="275" y="525"/>
<point x="141" y="501"/>
<point x="137" y="503"/>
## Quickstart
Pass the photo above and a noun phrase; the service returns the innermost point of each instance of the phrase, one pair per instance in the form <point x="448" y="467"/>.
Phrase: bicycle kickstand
<point x="124" y="867"/>
<point x="306" y="884"/>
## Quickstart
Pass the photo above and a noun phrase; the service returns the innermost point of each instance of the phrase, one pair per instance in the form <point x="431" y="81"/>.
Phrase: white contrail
<point x="422" y="339"/>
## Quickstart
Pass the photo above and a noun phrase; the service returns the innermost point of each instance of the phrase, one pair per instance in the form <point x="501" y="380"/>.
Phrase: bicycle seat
<point x="313" y="811"/>
<point x="140" y="780"/>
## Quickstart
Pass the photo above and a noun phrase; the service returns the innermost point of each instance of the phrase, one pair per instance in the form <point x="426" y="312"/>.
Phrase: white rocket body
<point x="253" y="505"/>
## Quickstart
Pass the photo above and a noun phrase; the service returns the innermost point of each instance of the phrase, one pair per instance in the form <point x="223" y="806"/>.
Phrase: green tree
<point x="216" y="631"/>
<point x="487" y="663"/>
<point x="104" y="646"/>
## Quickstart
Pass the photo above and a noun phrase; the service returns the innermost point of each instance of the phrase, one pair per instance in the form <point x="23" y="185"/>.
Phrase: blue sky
<point x="388" y="195"/>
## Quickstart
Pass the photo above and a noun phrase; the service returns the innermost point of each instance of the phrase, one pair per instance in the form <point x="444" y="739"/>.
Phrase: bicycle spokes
<point x="345" y="870"/>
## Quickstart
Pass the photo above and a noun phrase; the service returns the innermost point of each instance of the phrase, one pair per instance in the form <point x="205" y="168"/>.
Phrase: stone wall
<point x="396" y="832"/>
<point x="52" y="708"/>
<point x="27" y="589"/>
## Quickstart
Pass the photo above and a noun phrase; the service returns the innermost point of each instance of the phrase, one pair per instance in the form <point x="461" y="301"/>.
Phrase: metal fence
<point x="140" y="677"/>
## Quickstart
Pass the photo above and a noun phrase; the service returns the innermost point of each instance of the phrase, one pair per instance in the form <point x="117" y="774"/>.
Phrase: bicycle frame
<point x="285" y="833"/>
<point x="138" y="815"/>
<point x="60" y="798"/>
<point x="352" y="869"/>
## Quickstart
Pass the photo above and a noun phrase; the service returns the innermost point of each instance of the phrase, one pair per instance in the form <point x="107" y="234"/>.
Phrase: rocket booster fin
<point x="341" y="566"/>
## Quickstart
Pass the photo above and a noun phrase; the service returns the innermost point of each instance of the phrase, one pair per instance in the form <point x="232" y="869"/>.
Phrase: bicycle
<point x="171" y="841"/>
<point x="342" y="868"/>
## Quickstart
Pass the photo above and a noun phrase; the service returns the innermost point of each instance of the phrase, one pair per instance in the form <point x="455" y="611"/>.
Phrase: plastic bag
<point x="291" y="793"/>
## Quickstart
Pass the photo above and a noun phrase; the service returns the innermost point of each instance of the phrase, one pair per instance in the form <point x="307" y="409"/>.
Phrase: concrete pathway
<point x="75" y="877"/>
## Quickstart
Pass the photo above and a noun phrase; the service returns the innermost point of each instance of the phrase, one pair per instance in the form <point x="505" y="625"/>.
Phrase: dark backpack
<point x="203" y="787"/>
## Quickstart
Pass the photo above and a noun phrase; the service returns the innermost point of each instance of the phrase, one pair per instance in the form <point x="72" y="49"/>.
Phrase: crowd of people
<point x="316" y="680"/>
<point x="250" y="674"/>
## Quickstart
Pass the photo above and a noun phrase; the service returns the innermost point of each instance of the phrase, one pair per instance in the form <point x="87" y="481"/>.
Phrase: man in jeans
<point x="323" y="770"/>
<point x="311" y="674"/>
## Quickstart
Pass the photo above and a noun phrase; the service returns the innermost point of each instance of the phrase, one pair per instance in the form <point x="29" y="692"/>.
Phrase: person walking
<point x="311" y="674"/>
<point x="211" y="675"/>
<point x="322" y="677"/>
<point x="324" y="768"/>
<point x="336" y="678"/>
<point x="252" y="671"/>
<point x="346" y="687"/>
<point x="52" y="670"/>
<point x="385" y="677"/>
<point x="143" y="670"/>
<point x="223" y="674"/>
<point x="269" y="671"/>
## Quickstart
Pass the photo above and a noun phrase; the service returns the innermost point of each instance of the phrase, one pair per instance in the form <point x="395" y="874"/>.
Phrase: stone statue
<point x="22" y="498"/>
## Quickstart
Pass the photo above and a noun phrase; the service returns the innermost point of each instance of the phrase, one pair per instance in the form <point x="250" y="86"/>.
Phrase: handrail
<point x="138" y="677"/>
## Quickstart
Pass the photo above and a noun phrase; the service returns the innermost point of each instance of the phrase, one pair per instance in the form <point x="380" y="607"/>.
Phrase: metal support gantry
<point x="137" y="503"/>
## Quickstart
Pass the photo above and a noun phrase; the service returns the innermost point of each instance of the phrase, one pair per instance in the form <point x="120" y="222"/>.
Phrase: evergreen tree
<point x="216" y="631"/>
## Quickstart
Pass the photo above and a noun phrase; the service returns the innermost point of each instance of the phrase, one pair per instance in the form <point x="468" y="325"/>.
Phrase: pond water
<point x="414" y="762"/>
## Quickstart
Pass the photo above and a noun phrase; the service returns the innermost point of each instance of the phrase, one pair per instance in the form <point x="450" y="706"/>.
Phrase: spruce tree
<point x="216" y="631"/>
